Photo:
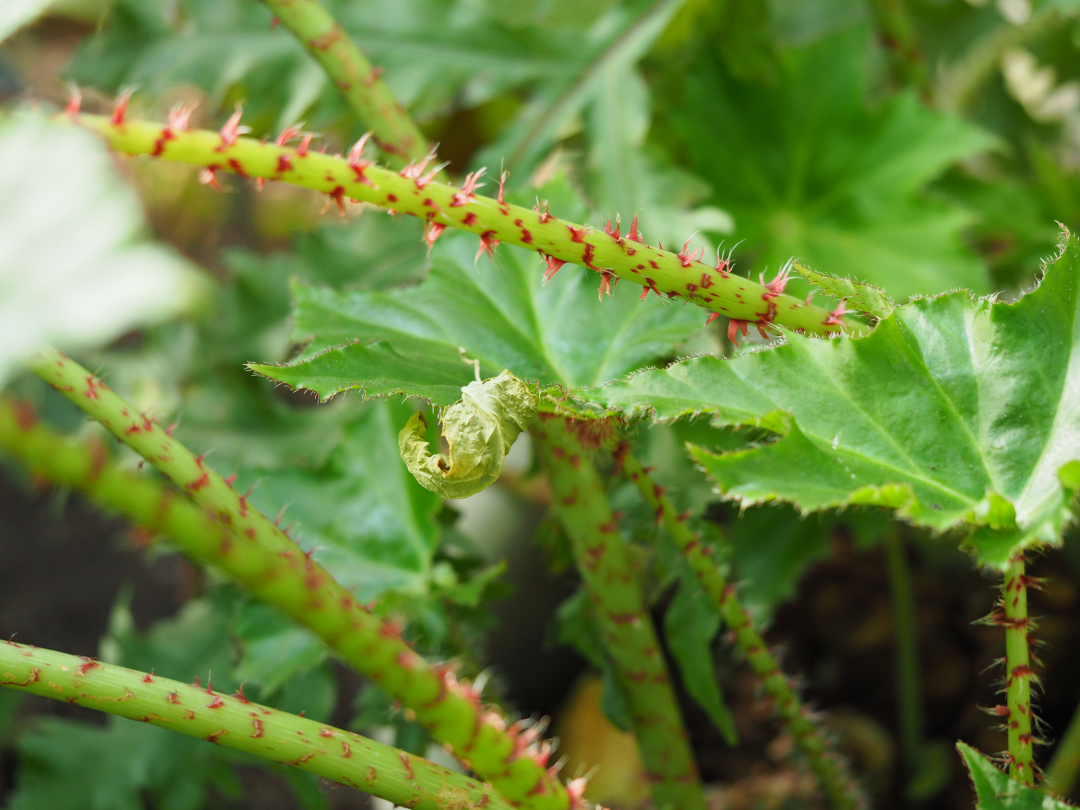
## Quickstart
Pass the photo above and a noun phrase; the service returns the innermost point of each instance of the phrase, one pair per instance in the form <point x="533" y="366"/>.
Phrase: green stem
<point x="235" y="722"/>
<point x="898" y="35"/>
<point x="614" y="256"/>
<point x="299" y="587"/>
<point x="1064" y="767"/>
<point x="909" y="700"/>
<point x="841" y="791"/>
<point x="1018" y="671"/>
<point x="357" y="79"/>
<point x="582" y="506"/>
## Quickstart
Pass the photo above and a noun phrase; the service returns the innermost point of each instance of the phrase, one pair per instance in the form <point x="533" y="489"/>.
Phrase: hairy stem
<point x="612" y="255"/>
<point x="841" y="791"/>
<point x="302" y="589"/>
<point x="1065" y="766"/>
<point x="582" y="506"/>
<point x="235" y="722"/>
<point x="909" y="699"/>
<point x="1018" y="671"/>
<point x="357" y="79"/>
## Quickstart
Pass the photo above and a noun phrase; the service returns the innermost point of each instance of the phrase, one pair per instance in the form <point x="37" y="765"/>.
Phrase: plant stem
<point x="909" y="699"/>
<point x="1064" y="767"/>
<point x="842" y="792"/>
<point x="613" y="255"/>
<point x="898" y="35"/>
<point x="357" y="79"/>
<point x="1018" y="672"/>
<point x="302" y="589"/>
<point x="582" y="506"/>
<point x="235" y="722"/>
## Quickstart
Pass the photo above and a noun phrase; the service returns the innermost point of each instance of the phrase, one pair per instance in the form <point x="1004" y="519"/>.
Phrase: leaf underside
<point x="953" y="411"/>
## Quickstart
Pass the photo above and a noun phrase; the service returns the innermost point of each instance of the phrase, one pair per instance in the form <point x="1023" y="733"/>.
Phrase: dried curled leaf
<point x="480" y="429"/>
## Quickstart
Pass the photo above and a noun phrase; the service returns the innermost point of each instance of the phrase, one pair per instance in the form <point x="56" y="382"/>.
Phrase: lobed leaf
<point x="953" y="411"/>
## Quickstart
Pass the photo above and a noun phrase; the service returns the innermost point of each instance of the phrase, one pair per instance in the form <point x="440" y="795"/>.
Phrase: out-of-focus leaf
<point x="576" y="626"/>
<point x="809" y="170"/>
<point x="408" y="341"/>
<point x="690" y="625"/>
<point x="275" y="649"/>
<point x="952" y="411"/>
<point x="73" y="270"/>
<point x="16" y="13"/>
<point x="479" y="430"/>
<point x="995" y="790"/>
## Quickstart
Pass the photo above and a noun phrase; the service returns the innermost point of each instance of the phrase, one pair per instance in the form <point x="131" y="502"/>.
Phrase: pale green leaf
<point x="479" y="429"/>
<point x="74" y="271"/>
<point x="995" y="790"/>
<point x="953" y="411"/>
<point x="16" y="13"/>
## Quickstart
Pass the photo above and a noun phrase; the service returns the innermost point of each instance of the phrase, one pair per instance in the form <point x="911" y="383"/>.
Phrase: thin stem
<point x="582" y="506"/>
<point x="1018" y="671"/>
<point x="898" y="35"/>
<point x="235" y="722"/>
<point x="1064" y="767"/>
<point x="298" y="586"/>
<point x="612" y="255"/>
<point x="842" y="792"/>
<point x="909" y="699"/>
<point x="357" y="79"/>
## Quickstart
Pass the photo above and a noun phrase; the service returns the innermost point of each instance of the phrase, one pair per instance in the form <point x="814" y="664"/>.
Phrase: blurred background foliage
<point x="922" y="146"/>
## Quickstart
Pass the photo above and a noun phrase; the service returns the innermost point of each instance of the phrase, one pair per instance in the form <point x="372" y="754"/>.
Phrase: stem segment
<point x="294" y="583"/>
<point x="357" y="79"/>
<point x="612" y="255"/>
<point x="1019" y="675"/>
<point x="909" y="700"/>
<point x="841" y="791"/>
<point x="630" y="639"/>
<point x="235" y="722"/>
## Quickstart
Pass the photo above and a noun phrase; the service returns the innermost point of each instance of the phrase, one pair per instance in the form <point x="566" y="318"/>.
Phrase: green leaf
<point x="948" y="411"/>
<point x="690" y="624"/>
<point x="367" y="519"/>
<point x="995" y="790"/>
<point x="809" y="170"/>
<point x="73" y="269"/>
<point x="479" y="430"/>
<point x="408" y="341"/>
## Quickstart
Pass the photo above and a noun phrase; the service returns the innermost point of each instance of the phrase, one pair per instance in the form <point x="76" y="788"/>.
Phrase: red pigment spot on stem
<point x="92" y="388"/>
<point x="235" y="165"/>
<point x="345" y="753"/>
<point x="526" y="237"/>
<point x="213" y="738"/>
<point x="576" y="234"/>
<point x="120" y="108"/>
<point x="88" y="665"/>
<point x="216" y="703"/>
<point x="258" y="728"/>
<point x="147" y="678"/>
<point x="391" y="198"/>
<point x="408" y="767"/>
<point x="199" y="483"/>
<point x="487" y="245"/>
<point x="587" y="258"/>
<point x="575" y="462"/>
<point x="283" y="164"/>
<point x="372" y="775"/>
<point x="325" y="732"/>
<point x="465" y="196"/>
<point x="706" y="281"/>
<point x="609" y="527"/>
<point x="249" y="533"/>
<point x="173" y="698"/>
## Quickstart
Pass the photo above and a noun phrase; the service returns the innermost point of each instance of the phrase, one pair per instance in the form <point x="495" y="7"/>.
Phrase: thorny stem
<point x="357" y="79"/>
<point x="235" y="722"/>
<point x="909" y="700"/>
<point x="287" y="578"/>
<point x="836" y="783"/>
<point x="630" y="640"/>
<point x="610" y="253"/>
<point x="1018" y="672"/>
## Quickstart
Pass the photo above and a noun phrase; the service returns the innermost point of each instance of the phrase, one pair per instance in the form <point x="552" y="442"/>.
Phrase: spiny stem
<point x="612" y="255"/>
<point x="842" y="792"/>
<point x="235" y="722"/>
<point x="630" y="639"/>
<point x="357" y="79"/>
<point x="297" y="585"/>
<point x="1018" y="672"/>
